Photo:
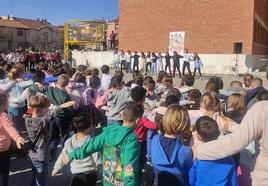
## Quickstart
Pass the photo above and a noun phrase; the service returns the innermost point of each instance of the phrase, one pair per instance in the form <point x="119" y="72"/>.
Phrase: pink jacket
<point x="7" y="131"/>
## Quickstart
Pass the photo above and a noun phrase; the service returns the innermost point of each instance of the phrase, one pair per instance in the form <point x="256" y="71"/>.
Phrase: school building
<point x="217" y="29"/>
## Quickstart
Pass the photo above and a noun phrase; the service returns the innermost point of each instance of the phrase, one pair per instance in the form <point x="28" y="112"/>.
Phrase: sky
<point x="58" y="11"/>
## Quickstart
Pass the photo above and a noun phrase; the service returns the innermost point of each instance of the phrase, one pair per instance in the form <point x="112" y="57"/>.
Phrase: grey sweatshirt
<point x="116" y="101"/>
<point x="77" y="166"/>
<point x="253" y="127"/>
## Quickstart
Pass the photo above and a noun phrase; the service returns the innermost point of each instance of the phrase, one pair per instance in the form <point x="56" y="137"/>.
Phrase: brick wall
<point x="261" y="18"/>
<point x="211" y="26"/>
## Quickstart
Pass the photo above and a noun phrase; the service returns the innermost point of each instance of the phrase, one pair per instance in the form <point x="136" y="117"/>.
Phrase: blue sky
<point x="58" y="11"/>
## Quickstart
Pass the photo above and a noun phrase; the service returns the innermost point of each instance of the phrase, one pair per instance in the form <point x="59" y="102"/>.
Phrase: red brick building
<point x="211" y="26"/>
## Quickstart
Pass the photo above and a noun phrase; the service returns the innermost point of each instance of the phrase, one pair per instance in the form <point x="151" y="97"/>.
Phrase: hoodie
<point x="120" y="148"/>
<point x="77" y="166"/>
<point x="221" y="173"/>
<point x="116" y="101"/>
<point x="171" y="170"/>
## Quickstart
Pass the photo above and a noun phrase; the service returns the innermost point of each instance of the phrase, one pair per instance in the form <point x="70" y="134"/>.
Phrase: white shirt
<point x="128" y="57"/>
<point x="105" y="81"/>
<point x="117" y="57"/>
<point x="187" y="57"/>
<point x="123" y="57"/>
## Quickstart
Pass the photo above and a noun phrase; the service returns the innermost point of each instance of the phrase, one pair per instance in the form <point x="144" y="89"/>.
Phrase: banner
<point x="176" y="42"/>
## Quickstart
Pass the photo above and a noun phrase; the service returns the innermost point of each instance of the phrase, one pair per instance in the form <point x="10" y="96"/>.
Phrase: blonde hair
<point x="16" y="72"/>
<point x="176" y="120"/>
<point x="63" y="80"/>
<point x="237" y="102"/>
<point x="39" y="102"/>
<point x="210" y="102"/>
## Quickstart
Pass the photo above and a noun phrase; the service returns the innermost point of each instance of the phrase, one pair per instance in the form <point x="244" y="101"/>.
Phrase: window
<point x="20" y="33"/>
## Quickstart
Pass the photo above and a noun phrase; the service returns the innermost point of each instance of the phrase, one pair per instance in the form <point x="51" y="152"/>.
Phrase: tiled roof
<point x="30" y="23"/>
<point x="12" y="23"/>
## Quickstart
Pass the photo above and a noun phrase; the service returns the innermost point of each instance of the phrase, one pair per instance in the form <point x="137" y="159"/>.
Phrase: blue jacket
<point x="174" y="171"/>
<point x="213" y="173"/>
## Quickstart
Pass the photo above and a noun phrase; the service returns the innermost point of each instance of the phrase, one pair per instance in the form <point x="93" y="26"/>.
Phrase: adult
<point x="128" y="61"/>
<point x="176" y="63"/>
<point x="123" y="61"/>
<point x="254" y="126"/>
<point x="148" y="62"/>
<point x="197" y="64"/>
<point x="112" y="40"/>
<point x="186" y="62"/>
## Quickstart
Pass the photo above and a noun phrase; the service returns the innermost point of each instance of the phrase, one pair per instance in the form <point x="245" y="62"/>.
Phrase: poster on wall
<point x="176" y="42"/>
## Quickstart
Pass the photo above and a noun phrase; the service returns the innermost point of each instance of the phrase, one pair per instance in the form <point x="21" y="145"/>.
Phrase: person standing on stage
<point x="186" y="62"/>
<point x="176" y="63"/>
<point x="128" y="61"/>
<point x="136" y="61"/>
<point x="197" y="64"/>
<point x="168" y="58"/>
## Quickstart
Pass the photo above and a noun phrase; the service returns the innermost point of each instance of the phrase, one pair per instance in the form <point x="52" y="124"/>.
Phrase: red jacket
<point x="142" y="129"/>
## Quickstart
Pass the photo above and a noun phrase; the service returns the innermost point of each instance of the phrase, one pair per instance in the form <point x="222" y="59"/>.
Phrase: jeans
<point x="186" y="65"/>
<point x="199" y="70"/>
<point x="154" y="68"/>
<point x="4" y="168"/>
<point x="16" y="114"/>
<point x="39" y="173"/>
<point x="176" y="66"/>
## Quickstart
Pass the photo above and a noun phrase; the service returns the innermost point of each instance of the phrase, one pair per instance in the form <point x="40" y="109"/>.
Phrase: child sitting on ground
<point x="37" y="127"/>
<point x="152" y="99"/>
<point x="217" y="172"/>
<point x="186" y="85"/>
<point x="120" y="149"/>
<point x="170" y="158"/>
<point x="84" y="171"/>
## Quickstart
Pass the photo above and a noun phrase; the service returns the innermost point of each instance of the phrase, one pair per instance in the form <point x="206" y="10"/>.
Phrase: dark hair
<point x="119" y="74"/>
<point x="136" y="73"/>
<point x="174" y="92"/>
<point x="82" y="121"/>
<point x="160" y="76"/>
<point x="116" y="81"/>
<point x="95" y="72"/>
<point x="212" y="87"/>
<point x="94" y="81"/>
<point x="138" y="80"/>
<point x="105" y="69"/>
<point x="172" y="99"/>
<point x="262" y="95"/>
<point x="79" y="78"/>
<point x="194" y="95"/>
<point x="159" y="122"/>
<point x="138" y="93"/>
<point x="38" y="76"/>
<point x="81" y="68"/>
<point x="149" y="83"/>
<point x="217" y="81"/>
<point x="132" y="111"/>
<point x="207" y="128"/>
<point x="188" y="80"/>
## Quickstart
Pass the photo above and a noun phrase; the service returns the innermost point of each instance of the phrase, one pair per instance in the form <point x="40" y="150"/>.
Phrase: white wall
<point x="213" y="63"/>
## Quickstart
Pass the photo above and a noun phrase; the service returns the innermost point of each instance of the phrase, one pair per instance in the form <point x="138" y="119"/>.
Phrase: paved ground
<point x="20" y="171"/>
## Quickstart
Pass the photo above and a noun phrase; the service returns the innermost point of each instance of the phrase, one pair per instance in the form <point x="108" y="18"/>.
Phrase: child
<point x="151" y="98"/>
<point x="116" y="100"/>
<point x="120" y="149"/>
<point x="90" y="94"/>
<point x="170" y="158"/>
<point x="138" y="81"/>
<point x="194" y="96"/>
<point x="187" y="83"/>
<point x="84" y="171"/>
<point x="248" y="78"/>
<point x="60" y="125"/>
<point x="217" y="172"/>
<point x="197" y="64"/>
<point x="106" y="78"/>
<point x="138" y="94"/>
<point x="37" y="127"/>
<point x="162" y="88"/>
<point x="7" y="132"/>
<point x="236" y="107"/>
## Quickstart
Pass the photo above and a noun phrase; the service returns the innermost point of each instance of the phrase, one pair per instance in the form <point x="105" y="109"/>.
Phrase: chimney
<point x="38" y="19"/>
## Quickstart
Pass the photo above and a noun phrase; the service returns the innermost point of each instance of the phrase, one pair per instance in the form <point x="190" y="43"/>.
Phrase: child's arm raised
<point x="52" y="113"/>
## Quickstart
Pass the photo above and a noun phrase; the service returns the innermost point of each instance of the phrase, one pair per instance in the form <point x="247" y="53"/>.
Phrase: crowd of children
<point x="147" y="127"/>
